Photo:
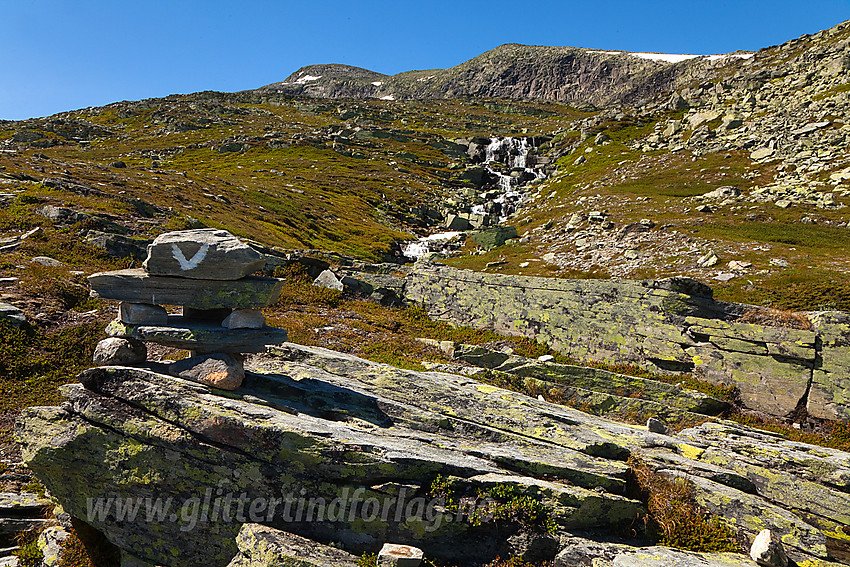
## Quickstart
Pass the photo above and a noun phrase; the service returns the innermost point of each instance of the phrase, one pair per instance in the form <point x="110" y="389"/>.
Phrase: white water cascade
<point x="512" y="152"/>
<point x="418" y="248"/>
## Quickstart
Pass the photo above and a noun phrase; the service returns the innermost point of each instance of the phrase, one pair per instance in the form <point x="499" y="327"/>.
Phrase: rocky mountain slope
<point x="576" y="76"/>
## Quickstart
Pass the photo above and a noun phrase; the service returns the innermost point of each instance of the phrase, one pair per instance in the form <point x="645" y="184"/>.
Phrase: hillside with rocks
<point x="702" y="372"/>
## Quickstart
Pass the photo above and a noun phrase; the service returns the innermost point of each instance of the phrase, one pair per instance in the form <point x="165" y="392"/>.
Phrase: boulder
<point x="657" y="426"/>
<point x="329" y="280"/>
<point x="204" y="254"/>
<point x="396" y="555"/>
<point x="494" y="237"/>
<point x="767" y="550"/>
<point x="455" y="222"/>
<point x="117" y="351"/>
<point x="222" y="371"/>
<point x="47" y="261"/>
<point x="244" y="319"/>
<point x="118" y="246"/>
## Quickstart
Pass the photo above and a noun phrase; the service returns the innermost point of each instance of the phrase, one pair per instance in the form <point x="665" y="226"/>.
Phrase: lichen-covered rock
<point x="202" y="254"/>
<point x="668" y="325"/>
<point x="262" y="546"/>
<point x="136" y="286"/>
<point x="341" y="439"/>
<point x="50" y="545"/>
<point x="201" y="337"/>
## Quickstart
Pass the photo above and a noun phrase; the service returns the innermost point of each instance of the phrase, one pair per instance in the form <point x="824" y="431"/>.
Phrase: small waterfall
<point x="432" y="243"/>
<point x="500" y="152"/>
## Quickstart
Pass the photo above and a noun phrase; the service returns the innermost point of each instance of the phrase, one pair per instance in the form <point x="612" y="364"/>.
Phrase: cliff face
<point x="564" y="74"/>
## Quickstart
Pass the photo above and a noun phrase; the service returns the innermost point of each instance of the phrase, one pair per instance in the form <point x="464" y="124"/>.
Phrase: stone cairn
<point x="206" y="272"/>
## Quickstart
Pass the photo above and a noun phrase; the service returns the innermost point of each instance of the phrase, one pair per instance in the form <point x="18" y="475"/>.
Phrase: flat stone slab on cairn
<point x="136" y="286"/>
<point x="200" y="337"/>
<point x="203" y="254"/>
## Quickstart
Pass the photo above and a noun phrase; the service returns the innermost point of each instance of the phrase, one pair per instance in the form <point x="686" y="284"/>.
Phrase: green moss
<point x="505" y="503"/>
<point x="832" y="92"/>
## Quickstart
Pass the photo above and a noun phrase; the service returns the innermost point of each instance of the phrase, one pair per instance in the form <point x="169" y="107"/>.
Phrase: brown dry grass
<point x="674" y="513"/>
<point x="776" y="318"/>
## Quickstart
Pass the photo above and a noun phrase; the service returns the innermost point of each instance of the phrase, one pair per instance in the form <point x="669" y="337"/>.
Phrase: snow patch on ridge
<point x="307" y="78"/>
<point x="673" y="57"/>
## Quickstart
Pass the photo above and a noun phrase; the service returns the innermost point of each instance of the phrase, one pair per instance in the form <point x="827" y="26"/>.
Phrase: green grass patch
<point x="832" y="92"/>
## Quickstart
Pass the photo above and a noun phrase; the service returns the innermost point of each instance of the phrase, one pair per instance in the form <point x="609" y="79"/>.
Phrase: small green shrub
<point x="367" y="560"/>
<point x="28" y="553"/>
<point x="504" y="502"/>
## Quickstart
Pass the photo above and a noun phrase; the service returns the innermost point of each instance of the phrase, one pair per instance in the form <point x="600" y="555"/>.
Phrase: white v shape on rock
<point x="192" y="262"/>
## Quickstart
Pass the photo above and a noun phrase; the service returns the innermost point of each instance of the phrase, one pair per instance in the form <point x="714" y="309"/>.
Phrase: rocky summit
<point x="553" y="306"/>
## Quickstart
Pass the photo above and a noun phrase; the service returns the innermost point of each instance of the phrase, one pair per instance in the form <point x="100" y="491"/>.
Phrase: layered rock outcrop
<point x="332" y="441"/>
<point x="669" y="325"/>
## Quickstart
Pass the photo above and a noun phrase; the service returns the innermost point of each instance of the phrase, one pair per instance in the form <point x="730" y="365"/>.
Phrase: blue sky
<point x="62" y="55"/>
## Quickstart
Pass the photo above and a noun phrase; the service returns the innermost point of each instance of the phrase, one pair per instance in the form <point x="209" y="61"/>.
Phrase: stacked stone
<point x="206" y="272"/>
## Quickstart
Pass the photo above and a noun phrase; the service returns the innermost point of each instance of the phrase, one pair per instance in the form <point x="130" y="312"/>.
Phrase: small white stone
<point x="767" y="550"/>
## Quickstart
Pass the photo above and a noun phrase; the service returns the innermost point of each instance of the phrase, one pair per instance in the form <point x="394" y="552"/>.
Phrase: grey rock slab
<point x="12" y="314"/>
<point x="136" y="286"/>
<point x="328" y="421"/>
<point x="205" y="254"/>
<point x="200" y="336"/>
<point x="23" y="501"/>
